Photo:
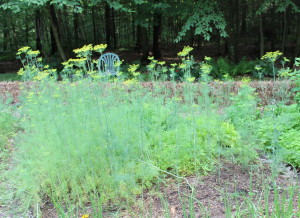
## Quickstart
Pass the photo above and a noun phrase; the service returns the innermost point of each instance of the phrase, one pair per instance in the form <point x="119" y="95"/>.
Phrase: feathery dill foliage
<point x="85" y="139"/>
<point x="98" y="142"/>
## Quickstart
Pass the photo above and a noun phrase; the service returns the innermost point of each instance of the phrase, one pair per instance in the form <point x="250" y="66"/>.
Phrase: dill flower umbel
<point x="100" y="48"/>
<point x="206" y="68"/>
<point x="24" y="49"/>
<point x="33" y="53"/>
<point x="186" y="50"/>
<point x="271" y="56"/>
<point x="207" y="58"/>
<point x="132" y="68"/>
<point x="85" y="48"/>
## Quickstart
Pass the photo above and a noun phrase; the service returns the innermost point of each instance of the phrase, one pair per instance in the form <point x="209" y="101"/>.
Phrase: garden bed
<point x="126" y="150"/>
<point x="230" y="187"/>
<point x="264" y="89"/>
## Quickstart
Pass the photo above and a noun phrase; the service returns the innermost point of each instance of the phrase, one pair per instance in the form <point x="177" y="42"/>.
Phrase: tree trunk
<point x="233" y="30"/>
<point x="108" y="26"/>
<point x="76" y="28"/>
<point x="261" y="36"/>
<point x="157" y="28"/>
<point x="297" y="49"/>
<point x="284" y="33"/>
<point x="55" y="31"/>
<point x="5" y="32"/>
<point x="67" y="36"/>
<point x="113" y="23"/>
<point x="82" y="27"/>
<point x="94" y="25"/>
<point x="26" y="29"/>
<point x="38" y="30"/>
<point x="138" y="37"/>
<point x="53" y="43"/>
<point x="144" y="44"/>
<point x="243" y="21"/>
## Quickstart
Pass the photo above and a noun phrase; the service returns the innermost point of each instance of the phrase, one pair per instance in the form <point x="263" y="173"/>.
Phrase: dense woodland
<point x="232" y="28"/>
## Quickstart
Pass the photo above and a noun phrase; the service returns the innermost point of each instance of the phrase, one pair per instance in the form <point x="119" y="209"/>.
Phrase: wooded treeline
<point x="56" y="27"/>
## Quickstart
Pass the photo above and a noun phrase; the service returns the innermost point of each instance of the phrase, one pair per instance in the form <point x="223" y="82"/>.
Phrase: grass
<point x="8" y="77"/>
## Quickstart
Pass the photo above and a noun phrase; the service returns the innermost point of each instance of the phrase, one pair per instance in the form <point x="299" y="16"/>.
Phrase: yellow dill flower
<point x="258" y="67"/>
<point x="100" y="47"/>
<point x="191" y="79"/>
<point x="151" y="65"/>
<point x="286" y="72"/>
<point x="186" y="50"/>
<point x="135" y="74"/>
<point x="85" y="216"/>
<point x="182" y="66"/>
<point x="77" y="59"/>
<point x="246" y="80"/>
<point x="21" y="72"/>
<point x="131" y="81"/>
<point x="271" y="56"/>
<point x="24" y="49"/>
<point x="33" y="53"/>
<point x="207" y="58"/>
<point x="41" y="75"/>
<point x="83" y="49"/>
<point x="133" y="67"/>
<point x="206" y="68"/>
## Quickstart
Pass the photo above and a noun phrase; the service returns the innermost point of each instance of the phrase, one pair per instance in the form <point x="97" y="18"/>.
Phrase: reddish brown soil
<point x="264" y="89"/>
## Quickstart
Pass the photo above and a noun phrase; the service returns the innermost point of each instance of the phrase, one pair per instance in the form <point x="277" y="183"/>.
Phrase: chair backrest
<point x="109" y="64"/>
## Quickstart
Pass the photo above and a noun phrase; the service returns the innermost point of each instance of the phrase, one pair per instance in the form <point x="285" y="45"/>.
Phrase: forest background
<point x="135" y="29"/>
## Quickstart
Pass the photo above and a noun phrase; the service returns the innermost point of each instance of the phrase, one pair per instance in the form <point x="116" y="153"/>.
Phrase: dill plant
<point x="33" y="67"/>
<point x="100" y="142"/>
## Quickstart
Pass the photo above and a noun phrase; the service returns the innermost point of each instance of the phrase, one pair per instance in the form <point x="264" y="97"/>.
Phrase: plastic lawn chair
<point x="109" y="64"/>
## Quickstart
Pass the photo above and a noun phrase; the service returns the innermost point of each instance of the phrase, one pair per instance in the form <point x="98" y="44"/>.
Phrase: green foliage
<point x="82" y="139"/>
<point x="33" y="67"/>
<point x="204" y="16"/>
<point x="243" y="107"/>
<point x="10" y="77"/>
<point x="295" y="76"/>
<point x="6" y="128"/>
<point x="290" y="141"/>
<point x="223" y="67"/>
<point x="282" y="127"/>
